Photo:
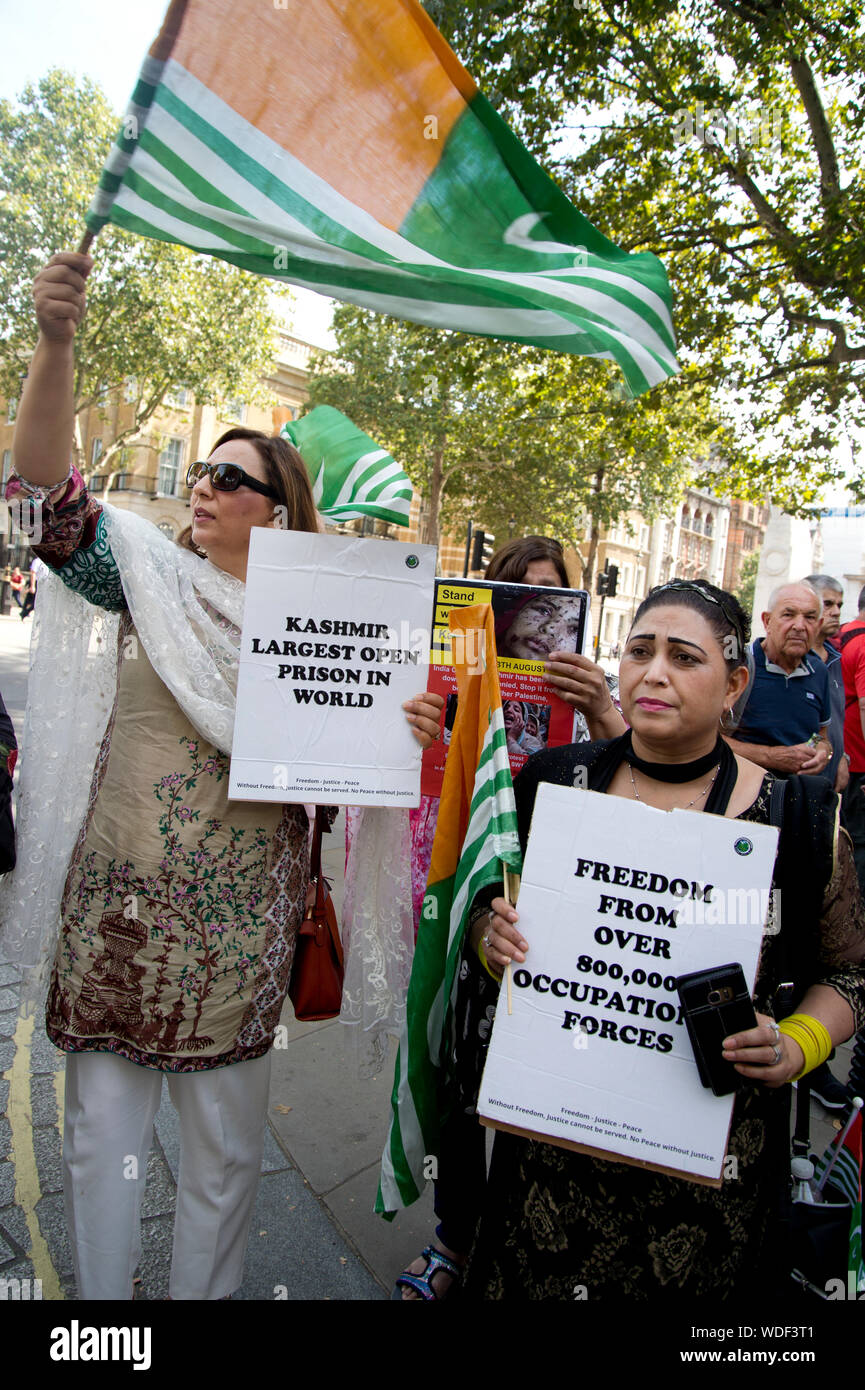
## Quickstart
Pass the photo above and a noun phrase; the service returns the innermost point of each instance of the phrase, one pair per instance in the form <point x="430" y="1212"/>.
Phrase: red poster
<point x="530" y="623"/>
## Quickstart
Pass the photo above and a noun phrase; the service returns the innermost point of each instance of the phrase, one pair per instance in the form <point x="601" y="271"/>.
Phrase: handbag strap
<point x="315" y="873"/>
<point x="318" y="911"/>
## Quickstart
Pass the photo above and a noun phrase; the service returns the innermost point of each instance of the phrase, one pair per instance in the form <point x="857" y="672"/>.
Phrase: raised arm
<point x="45" y="422"/>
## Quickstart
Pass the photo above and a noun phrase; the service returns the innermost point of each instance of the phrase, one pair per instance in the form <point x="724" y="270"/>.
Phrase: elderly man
<point x="784" y="727"/>
<point x="786" y="720"/>
<point x="831" y="592"/>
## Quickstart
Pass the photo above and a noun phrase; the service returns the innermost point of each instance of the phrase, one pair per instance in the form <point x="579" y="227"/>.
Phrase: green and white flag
<point x="351" y="475"/>
<point x="475" y="837"/>
<point x="340" y="145"/>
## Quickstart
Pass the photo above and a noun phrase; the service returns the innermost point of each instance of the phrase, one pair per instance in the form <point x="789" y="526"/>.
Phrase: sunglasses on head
<point x="227" y="477"/>
<point x="684" y="585"/>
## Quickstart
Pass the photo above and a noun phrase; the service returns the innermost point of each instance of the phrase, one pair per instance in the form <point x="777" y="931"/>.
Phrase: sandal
<point x="422" y="1283"/>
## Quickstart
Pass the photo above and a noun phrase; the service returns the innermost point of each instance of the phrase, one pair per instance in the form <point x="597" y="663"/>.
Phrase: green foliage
<point x="496" y="432"/>
<point x="157" y="315"/>
<point x="755" y="201"/>
<point x="748" y="580"/>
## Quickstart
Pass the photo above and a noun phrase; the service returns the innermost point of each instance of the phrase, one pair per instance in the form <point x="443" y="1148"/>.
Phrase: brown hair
<point x="510" y="563"/>
<point x="286" y="473"/>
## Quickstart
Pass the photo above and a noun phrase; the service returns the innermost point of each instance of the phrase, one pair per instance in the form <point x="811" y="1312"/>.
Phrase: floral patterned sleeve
<point x="842" y="924"/>
<point x="74" y="541"/>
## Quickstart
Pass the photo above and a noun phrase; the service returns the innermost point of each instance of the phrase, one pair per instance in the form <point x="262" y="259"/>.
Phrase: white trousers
<point x="108" y="1128"/>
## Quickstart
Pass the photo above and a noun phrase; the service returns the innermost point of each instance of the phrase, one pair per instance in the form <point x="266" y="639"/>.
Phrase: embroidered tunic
<point x="181" y="908"/>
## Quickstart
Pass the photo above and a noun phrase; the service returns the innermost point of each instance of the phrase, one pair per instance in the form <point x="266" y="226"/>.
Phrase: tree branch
<point x="830" y="177"/>
<point x="841" y="349"/>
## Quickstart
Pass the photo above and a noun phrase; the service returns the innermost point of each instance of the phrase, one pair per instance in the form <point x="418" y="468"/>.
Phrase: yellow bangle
<point x="482" y="955"/>
<point x="813" y="1038"/>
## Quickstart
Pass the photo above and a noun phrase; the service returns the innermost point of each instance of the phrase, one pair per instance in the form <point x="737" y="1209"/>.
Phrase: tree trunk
<point x="430" y="524"/>
<point x="594" y="534"/>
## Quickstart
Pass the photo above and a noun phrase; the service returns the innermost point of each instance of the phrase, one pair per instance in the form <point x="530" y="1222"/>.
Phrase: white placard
<point x="335" y="638"/>
<point x="617" y="899"/>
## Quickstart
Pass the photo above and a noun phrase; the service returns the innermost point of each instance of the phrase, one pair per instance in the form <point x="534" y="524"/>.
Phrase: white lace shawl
<point x="187" y="614"/>
<point x="377" y="930"/>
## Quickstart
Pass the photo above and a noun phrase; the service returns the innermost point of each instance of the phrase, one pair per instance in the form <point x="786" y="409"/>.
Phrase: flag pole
<point x="857" y="1106"/>
<point x="86" y="243"/>
<point x="512" y="884"/>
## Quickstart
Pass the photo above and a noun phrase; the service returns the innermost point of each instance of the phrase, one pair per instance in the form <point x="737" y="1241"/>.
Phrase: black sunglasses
<point x="227" y="477"/>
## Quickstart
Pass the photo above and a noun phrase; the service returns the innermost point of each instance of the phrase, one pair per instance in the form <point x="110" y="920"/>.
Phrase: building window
<point x="11" y="412"/>
<point x="179" y="396"/>
<point x="235" y="410"/>
<point x="170" y="461"/>
<point x="7" y="467"/>
<point x="96" y="451"/>
<point x="710" y="524"/>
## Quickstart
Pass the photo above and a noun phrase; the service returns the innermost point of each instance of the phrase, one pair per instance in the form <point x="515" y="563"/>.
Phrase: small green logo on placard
<point x="412" y="561"/>
<point x="743" y="845"/>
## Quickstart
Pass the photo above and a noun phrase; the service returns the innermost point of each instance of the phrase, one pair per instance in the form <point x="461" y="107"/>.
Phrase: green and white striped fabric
<point x="340" y="145"/>
<point x="351" y="475"/>
<point x="461" y="867"/>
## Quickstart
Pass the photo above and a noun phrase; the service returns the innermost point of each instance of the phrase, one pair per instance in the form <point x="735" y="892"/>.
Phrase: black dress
<point x="562" y="1225"/>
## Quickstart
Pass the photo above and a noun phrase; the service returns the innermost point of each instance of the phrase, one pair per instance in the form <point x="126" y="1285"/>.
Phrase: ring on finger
<point x="776" y="1031"/>
<point x="488" y="939"/>
<point x="778" y="1054"/>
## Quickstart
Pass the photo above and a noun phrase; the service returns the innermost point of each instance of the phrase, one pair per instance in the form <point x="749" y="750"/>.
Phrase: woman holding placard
<point x="557" y="1221"/>
<point x="537" y="561"/>
<point x="179" y="908"/>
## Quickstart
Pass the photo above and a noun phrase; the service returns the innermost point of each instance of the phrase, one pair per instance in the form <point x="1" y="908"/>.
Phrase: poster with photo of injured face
<point x="531" y="622"/>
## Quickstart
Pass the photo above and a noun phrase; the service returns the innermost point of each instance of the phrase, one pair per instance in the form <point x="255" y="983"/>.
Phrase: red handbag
<point x="315" y="988"/>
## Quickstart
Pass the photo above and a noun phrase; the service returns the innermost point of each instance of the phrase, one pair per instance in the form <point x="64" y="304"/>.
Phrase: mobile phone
<point x="716" y="1003"/>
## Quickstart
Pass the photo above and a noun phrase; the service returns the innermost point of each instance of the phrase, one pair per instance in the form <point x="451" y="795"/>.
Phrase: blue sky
<point x="105" y="40"/>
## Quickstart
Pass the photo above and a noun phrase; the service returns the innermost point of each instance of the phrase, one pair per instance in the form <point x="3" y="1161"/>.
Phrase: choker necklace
<point x="676" y="772"/>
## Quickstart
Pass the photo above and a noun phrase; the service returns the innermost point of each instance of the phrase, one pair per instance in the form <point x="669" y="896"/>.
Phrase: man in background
<point x="831" y="593"/>
<point x="785" y="723"/>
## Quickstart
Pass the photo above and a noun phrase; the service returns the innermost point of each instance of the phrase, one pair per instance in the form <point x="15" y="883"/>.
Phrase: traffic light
<point x="482" y="549"/>
<point x="607" y="581"/>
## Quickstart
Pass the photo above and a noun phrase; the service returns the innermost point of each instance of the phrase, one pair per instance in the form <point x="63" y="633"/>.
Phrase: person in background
<point x="16" y="584"/>
<point x="851" y="642"/>
<point x="830" y="1092"/>
<point x="784" y="726"/>
<point x="831" y="593"/>
<point x="8" y="758"/>
<point x="30" y="597"/>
